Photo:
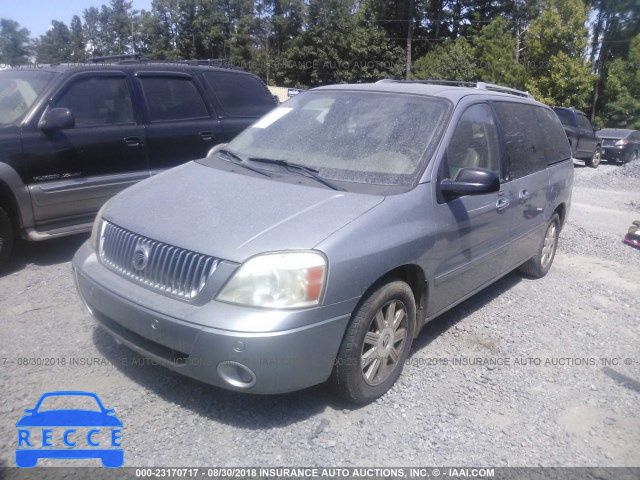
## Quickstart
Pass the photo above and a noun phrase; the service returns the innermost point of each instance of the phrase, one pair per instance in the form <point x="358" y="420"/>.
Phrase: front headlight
<point x="278" y="280"/>
<point x="97" y="229"/>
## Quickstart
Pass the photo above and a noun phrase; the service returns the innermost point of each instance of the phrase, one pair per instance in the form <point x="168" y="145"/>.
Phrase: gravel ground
<point x="566" y="391"/>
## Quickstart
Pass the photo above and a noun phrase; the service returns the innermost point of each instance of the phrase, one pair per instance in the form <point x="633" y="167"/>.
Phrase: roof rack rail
<point x="455" y="83"/>
<point x="124" y="56"/>
<point x="137" y="57"/>
<point x="500" y="88"/>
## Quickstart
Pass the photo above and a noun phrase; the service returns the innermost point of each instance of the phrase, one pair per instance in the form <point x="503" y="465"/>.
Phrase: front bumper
<point x="283" y="350"/>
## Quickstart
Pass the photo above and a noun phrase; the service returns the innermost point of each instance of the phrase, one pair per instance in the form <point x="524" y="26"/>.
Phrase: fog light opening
<point x="236" y="374"/>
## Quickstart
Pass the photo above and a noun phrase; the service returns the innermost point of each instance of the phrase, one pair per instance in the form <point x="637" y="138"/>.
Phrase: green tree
<point x="318" y="55"/>
<point x="116" y="26"/>
<point x="623" y="89"/>
<point x="555" y="55"/>
<point x="77" y="46"/>
<point x="14" y="43"/>
<point x="453" y="60"/>
<point x="495" y="55"/>
<point x="92" y="32"/>
<point x="370" y="56"/>
<point x="55" y="45"/>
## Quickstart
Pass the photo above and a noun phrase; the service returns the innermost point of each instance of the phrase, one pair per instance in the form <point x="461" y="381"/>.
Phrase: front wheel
<point x="6" y="237"/>
<point x="539" y="265"/>
<point x="376" y="344"/>
<point x="595" y="160"/>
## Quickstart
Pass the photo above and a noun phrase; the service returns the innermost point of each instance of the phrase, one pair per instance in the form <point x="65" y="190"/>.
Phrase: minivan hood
<point x="233" y="216"/>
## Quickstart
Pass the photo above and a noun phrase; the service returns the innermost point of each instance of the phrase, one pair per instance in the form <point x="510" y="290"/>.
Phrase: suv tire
<point x="6" y="237"/>
<point x="538" y="265"/>
<point x="380" y="333"/>
<point x="594" y="161"/>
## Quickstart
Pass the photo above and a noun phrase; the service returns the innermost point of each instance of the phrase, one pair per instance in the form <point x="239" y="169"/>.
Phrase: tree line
<point x="565" y="52"/>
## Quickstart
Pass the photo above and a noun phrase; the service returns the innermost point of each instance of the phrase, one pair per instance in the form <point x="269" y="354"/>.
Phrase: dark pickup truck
<point x="585" y="144"/>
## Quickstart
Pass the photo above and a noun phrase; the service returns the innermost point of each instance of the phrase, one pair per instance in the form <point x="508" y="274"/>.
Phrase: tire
<point x="594" y="161"/>
<point x="370" y="339"/>
<point x="634" y="158"/>
<point x="538" y="265"/>
<point x="6" y="237"/>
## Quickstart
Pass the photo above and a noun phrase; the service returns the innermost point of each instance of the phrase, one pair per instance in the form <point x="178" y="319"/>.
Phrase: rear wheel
<point x="595" y="160"/>
<point x="376" y="344"/>
<point x="539" y="265"/>
<point x="6" y="237"/>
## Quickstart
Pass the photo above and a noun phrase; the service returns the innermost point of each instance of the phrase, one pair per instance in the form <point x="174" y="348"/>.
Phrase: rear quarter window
<point x="240" y="95"/>
<point x="524" y="145"/>
<point x="556" y="144"/>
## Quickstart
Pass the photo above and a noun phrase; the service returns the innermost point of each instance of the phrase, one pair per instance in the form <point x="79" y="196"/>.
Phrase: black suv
<point x="585" y="144"/>
<point x="72" y="136"/>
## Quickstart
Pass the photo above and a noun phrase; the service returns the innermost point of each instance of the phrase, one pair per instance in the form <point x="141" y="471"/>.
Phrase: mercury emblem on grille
<point x="140" y="257"/>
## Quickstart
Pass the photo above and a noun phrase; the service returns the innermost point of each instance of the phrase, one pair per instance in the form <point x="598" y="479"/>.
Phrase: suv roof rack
<point x="454" y="83"/>
<point x="139" y="58"/>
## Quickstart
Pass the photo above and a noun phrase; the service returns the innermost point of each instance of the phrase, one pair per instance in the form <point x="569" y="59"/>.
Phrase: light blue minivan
<point x="317" y="243"/>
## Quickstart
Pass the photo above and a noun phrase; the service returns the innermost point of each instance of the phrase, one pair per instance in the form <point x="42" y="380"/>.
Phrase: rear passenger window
<point x="524" y="145"/>
<point x="556" y="144"/>
<point x="583" y="122"/>
<point x="240" y="95"/>
<point x="172" y="98"/>
<point x="565" y="116"/>
<point x="474" y="142"/>
<point x="98" y="100"/>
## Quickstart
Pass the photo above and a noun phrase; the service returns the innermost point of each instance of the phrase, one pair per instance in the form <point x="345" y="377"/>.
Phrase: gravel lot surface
<point x="566" y="391"/>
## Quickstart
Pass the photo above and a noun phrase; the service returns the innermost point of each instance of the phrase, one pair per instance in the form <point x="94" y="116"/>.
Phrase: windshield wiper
<point x="297" y="168"/>
<point x="238" y="160"/>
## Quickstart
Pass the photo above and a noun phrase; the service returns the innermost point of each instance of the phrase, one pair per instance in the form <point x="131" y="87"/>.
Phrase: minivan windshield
<point x="18" y="91"/>
<point x="353" y="136"/>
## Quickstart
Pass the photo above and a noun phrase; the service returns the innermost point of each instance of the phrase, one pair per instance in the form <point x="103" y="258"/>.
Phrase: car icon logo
<point x="69" y="433"/>
<point x="140" y="257"/>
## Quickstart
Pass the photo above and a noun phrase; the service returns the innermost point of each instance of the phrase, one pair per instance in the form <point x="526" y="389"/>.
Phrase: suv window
<point x="172" y="98"/>
<point x="239" y="95"/>
<point x="18" y="91"/>
<point x="583" y="122"/>
<point x="556" y="145"/>
<point x="474" y="142"/>
<point x="524" y="145"/>
<point x="565" y="116"/>
<point x="98" y="100"/>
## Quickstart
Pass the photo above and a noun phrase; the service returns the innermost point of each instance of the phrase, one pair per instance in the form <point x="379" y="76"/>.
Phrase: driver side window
<point x="474" y="142"/>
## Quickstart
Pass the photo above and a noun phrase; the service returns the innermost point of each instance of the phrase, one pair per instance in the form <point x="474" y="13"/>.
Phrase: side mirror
<point x="597" y="128"/>
<point x="56" y="119"/>
<point x="29" y="410"/>
<point x="471" y="181"/>
<point x="216" y="149"/>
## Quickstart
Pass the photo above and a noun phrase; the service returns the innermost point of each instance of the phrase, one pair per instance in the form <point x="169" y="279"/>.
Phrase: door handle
<point x="501" y="204"/>
<point x="206" y="136"/>
<point x="133" y="141"/>
<point x="524" y="195"/>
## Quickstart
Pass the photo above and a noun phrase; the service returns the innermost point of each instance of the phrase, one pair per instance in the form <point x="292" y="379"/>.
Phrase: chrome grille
<point x="160" y="266"/>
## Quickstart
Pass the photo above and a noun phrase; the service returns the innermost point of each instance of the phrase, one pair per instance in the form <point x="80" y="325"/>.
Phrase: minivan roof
<point x="443" y="90"/>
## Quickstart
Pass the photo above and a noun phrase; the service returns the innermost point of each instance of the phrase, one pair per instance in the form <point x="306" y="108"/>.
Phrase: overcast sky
<point x="36" y="15"/>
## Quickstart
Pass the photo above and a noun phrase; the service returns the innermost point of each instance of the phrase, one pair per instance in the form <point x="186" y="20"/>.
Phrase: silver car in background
<point x="318" y="243"/>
